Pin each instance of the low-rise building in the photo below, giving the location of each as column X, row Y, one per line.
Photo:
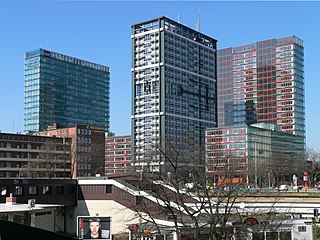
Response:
column 30, row 156
column 138, row 208
column 118, row 154
column 42, row 203
column 87, row 148
column 259, row 154
column 135, row 211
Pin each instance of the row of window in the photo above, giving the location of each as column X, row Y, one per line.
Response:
column 33, row 190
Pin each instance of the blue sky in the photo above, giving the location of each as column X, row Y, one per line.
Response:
column 100, row 32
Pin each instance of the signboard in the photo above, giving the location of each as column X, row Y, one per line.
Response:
column 248, row 221
column 93, row 227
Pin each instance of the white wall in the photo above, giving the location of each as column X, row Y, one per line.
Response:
column 120, row 215
column 296, row 235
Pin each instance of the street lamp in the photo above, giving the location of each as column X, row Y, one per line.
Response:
column 96, row 171
column 269, row 179
column 256, row 162
column 255, row 165
column 315, row 176
column 26, row 165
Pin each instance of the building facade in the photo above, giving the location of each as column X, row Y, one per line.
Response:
column 87, row 148
column 118, row 154
column 125, row 202
column 64, row 90
column 263, row 82
column 34, row 156
column 259, row 154
column 174, row 89
column 54, row 200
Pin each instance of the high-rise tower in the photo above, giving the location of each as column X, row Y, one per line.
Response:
column 263, row 82
column 174, row 89
column 64, row 90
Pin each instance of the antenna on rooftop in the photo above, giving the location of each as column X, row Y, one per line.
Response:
column 198, row 23
column 13, row 127
column 178, row 18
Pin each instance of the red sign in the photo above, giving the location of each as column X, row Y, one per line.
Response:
column 251, row 221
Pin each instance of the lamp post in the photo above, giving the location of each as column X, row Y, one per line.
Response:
column 26, row 165
column 96, row 171
column 315, row 176
column 269, row 179
column 255, row 165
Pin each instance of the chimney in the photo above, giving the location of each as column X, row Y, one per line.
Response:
column 11, row 200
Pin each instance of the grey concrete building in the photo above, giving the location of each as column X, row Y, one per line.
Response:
column 174, row 90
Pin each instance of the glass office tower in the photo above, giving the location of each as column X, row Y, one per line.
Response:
column 256, row 153
column 263, row 82
column 174, row 89
column 64, row 90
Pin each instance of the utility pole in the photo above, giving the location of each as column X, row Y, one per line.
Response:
column 255, row 166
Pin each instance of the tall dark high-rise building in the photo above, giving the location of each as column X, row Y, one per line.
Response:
column 174, row 89
column 263, row 82
column 64, row 90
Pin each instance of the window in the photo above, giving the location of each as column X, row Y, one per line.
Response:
column 138, row 200
column 18, row 190
column 46, row 190
column 60, row 189
column 33, row 190
column 302, row 228
column 258, row 235
column 271, row 235
column 108, row 188
column 3, row 191
column 285, row 235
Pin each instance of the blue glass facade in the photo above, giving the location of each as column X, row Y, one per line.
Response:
column 64, row 90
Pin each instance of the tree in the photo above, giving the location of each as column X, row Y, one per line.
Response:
column 48, row 159
column 97, row 159
column 183, row 195
column 89, row 159
column 54, row 160
column 313, row 157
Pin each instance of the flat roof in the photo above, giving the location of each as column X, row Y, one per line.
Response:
column 22, row 207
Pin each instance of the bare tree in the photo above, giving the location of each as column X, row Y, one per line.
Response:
column 54, row 160
column 312, row 165
column 181, row 194
column 55, row 156
column 97, row 159
column 89, row 159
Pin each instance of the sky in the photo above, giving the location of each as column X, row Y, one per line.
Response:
column 100, row 31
